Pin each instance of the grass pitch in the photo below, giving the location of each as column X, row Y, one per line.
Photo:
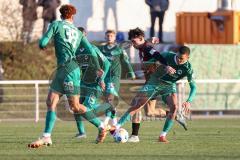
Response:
column 213, row 139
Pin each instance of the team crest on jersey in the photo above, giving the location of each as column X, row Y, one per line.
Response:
column 179, row 71
column 145, row 88
column 81, row 49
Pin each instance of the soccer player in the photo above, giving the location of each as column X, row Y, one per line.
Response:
column 118, row 59
column 67, row 79
column 162, row 82
column 92, row 86
column 148, row 65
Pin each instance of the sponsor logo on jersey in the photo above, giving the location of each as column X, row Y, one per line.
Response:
column 86, row 57
column 179, row 71
column 92, row 99
column 111, row 58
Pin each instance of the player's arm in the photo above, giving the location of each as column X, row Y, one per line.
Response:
column 156, row 55
column 106, row 63
column 48, row 35
column 105, row 67
column 192, row 94
column 89, row 49
column 126, row 63
column 193, row 90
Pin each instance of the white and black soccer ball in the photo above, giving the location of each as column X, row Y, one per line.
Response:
column 120, row 135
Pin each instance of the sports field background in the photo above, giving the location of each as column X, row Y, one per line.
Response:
column 206, row 139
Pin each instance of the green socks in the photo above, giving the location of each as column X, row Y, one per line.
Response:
column 91, row 117
column 80, row 124
column 50, row 121
column 124, row 118
column 168, row 125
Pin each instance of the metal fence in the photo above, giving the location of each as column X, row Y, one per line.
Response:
column 26, row 99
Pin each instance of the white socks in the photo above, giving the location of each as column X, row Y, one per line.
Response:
column 46, row 134
column 163, row 134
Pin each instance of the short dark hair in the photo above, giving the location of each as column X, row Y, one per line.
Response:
column 81, row 29
column 133, row 33
column 110, row 31
column 67, row 11
column 184, row 50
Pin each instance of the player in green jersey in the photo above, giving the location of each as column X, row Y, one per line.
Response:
column 67, row 78
column 162, row 82
column 92, row 86
column 118, row 59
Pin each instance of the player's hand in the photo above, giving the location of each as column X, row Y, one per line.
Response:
column 170, row 70
column 155, row 40
column 102, row 85
column 186, row 107
column 100, row 72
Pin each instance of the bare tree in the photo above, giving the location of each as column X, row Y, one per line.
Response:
column 11, row 19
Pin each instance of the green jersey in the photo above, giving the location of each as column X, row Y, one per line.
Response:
column 118, row 58
column 88, row 65
column 66, row 39
column 182, row 70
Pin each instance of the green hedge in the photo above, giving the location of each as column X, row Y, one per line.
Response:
column 26, row 62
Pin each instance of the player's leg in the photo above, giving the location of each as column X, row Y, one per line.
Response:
column 136, row 121
column 80, row 126
column 153, row 19
column 72, row 89
column 89, row 115
column 172, row 104
column 143, row 96
column 79, row 119
column 180, row 118
column 112, row 89
column 52, row 100
column 150, row 108
column 161, row 18
column 110, row 114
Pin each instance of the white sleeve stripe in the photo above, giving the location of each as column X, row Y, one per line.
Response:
column 152, row 51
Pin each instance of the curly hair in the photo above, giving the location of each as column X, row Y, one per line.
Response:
column 133, row 33
column 67, row 11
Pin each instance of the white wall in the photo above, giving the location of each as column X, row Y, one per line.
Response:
column 131, row 14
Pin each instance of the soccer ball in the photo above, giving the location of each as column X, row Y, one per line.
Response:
column 120, row 135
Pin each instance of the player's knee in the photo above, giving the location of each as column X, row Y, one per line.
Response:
column 49, row 104
column 137, row 117
column 173, row 111
column 73, row 106
column 174, row 107
column 137, row 102
column 110, row 100
column 131, row 111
